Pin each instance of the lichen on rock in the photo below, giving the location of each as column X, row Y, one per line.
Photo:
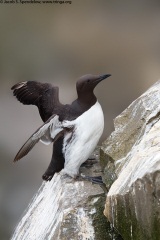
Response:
column 133, row 152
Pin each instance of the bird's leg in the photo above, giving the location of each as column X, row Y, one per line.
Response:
column 90, row 161
column 57, row 161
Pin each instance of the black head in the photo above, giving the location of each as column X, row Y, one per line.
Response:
column 88, row 82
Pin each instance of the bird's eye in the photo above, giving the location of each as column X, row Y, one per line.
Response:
column 88, row 81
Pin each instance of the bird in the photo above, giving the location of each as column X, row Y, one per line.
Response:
column 74, row 129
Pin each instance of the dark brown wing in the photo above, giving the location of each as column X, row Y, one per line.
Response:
column 44, row 131
column 43, row 95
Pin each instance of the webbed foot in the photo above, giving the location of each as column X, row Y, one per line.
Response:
column 95, row 180
column 47, row 176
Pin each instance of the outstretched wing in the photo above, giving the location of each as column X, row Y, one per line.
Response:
column 43, row 95
column 46, row 133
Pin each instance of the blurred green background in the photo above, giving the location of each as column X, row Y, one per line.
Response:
column 58, row 43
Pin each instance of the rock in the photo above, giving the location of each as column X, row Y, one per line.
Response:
column 131, row 161
column 67, row 209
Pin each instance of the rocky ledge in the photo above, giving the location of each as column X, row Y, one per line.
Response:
column 67, row 209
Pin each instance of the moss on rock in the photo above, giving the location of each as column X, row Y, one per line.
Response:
column 103, row 229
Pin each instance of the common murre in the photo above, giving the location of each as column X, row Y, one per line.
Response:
column 74, row 129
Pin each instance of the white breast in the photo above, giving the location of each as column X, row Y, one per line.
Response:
column 78, row 146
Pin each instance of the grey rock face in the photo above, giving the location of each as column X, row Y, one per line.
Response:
column 67, row 209
column 131, row 159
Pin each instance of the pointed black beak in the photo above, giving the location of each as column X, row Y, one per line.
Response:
column 102, row 77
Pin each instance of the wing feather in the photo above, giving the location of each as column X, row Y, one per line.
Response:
column 44, row 95
column 52, row 124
